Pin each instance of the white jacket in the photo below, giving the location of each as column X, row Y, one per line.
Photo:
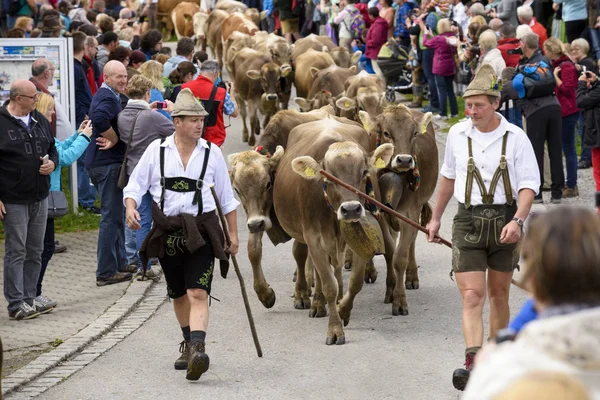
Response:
column 567, row 344
column 493, row 58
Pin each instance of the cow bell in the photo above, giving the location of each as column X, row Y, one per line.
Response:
column 391, row 187
column 364, row 236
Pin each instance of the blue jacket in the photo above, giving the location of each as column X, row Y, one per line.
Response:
column 268, row 6
column 69, row 151
column 156, row 95
column 83, row 94
column 104, row 113
column 573, row 10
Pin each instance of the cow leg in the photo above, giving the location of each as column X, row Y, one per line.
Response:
column 357, row 278
column 317, row 308
column 254, row 121
column 401, row 259
column 348, row 259
column 301, row 298
column 243, row 112
column 265, row 293
column 337, row 271
column 219, row 48
column 309, row 274
column 370, row 272
column 412, row 274
column 389, row 238
column 335, row 331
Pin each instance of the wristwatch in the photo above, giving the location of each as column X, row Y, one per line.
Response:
column 519, row 221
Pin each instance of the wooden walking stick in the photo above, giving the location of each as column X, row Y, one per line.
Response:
column 238, row 273
column 393, row 212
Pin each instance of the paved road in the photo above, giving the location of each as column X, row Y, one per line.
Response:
column 409, row 357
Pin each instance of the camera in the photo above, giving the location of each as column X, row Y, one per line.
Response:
column 515, row 51
column 224, row 85
column 130, row 23
column 588, row 74
column 161, row 105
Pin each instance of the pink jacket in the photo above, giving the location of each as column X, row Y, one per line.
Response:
column 566, row 92
column 376, row 37
column 443, row 60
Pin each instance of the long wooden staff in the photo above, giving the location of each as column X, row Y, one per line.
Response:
column 238, row 273
column 393, row 212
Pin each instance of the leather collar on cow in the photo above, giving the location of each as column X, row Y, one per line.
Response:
column 372, row 208
column 413, row 176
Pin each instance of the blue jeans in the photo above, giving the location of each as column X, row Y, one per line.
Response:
column 586, row 152
column 568, row 146
column 427, row 65
column 86, row 192
column 137, row 237
column 514, row 116
column 130, row 247
column 111, row 238
column 445, row 86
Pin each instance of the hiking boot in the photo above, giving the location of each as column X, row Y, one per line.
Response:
column 43, row 304
column 584, row 164
column 570, row 192
column 23, row 311
column 417, row 102
column 198, row 363
column 460, row 377
column 116, row 278
column 59, row 248
column 182, row 362
column 131, row 268
column 150, row 274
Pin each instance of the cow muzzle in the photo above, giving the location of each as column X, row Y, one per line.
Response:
column 403, row 163
column 259, row 224
column 350, row 211
column 271, row 97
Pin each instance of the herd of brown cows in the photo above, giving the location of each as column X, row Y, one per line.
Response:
column 345, row 128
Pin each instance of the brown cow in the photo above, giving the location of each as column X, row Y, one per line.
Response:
column 415, row 155
column 257, row 82
column 279, row 50
column 199, row 21
column 363, row 92
column 312, row 41
column 327, row 84
column 213, row 34
column 183, row 19
column 343, row 58
column 306, row 215
column 231, row 6
column 307, row 65
column 237, row 22
column 236, row 42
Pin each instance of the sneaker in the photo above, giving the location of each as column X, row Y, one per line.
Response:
column 93, row 209
column 440, row 117
column 429, row 108
column 182, row 362
column 584, row 164
column 570, row 192
column 460, row 377
column 116, row 278
column 454, row 116
column 23, row 311
column 198, row 363
column 59, row 248
column 43, row 304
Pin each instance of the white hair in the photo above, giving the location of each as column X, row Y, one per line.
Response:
column 523, row 30
column 525, row 12
column 487, row 40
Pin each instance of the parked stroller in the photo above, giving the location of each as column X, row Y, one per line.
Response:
column 393, row 59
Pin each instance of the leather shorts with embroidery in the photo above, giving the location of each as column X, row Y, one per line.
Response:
column 476, row 239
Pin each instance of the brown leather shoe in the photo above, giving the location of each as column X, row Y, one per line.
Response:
column 198, row 363
column 570, row 192
column 116, row 278
column 182, row 362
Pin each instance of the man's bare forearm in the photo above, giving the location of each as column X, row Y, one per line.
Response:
column 525, row 201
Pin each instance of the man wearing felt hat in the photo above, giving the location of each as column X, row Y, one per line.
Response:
column 186, row 236
column 491, row 170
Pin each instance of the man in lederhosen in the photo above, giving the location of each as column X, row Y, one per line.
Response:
column 491, row 169
column 186, row 235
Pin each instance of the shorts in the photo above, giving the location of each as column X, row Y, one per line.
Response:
column 289, row 26
column 476, row 239
column 184, row 270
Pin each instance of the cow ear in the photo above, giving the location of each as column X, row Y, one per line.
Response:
column 276, row 157
column 253, row 74
column 424, row 122
column 305, row 105
column 325, row 49
column 369, row 123
column 306, row 167
column 382, row 155
column 314, row 71
column 353, row 69
column 286, row 69
column 356, row 56
column 345, row 103
column 232, row 158
column 187, row 17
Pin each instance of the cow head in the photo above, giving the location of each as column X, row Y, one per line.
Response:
column 327, row 86
column 252, row 176
column 397, row 126
column 199, row 21
column 346, row 161
column 269, row 76
column 281, row 53
column 343, row 58
column 369, row 99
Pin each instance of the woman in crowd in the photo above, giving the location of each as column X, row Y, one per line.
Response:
column 26, row 24
column 566, row 83
column 344, row 21
column 561, row 253
column 68, row 152
column 151, row 43
column 388, row 13
column 443, row 64
column 184, row 72
column 489, row 53
column 153, row 70
column 136, row 59
column 579, row 55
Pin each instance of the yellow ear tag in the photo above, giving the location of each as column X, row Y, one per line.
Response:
column 309, row 171
column 379, row 163
column 347, row 104
column 423, row 128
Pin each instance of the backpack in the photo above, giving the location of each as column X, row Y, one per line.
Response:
column 357, row 25
column 13, row 7
column 534, row 80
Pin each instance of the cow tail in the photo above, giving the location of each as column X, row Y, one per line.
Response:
column 426, row 214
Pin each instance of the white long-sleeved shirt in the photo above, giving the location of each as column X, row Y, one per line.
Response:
column 487, row 149
column 146, row 177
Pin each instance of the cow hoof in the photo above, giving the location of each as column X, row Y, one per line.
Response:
column 370, row 276
column 317, row 312
column 295, row 275
column 270, row 300
column 345, row 317
column 402, row 310
column 333, row 340
column 412, row 285
column 251, row 140
column 302, row 304
column 348, row 266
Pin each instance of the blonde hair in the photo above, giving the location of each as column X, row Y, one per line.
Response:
column 126, row 34
column 478, row 19
column 161, row 58
column 487, row 40
column 554, row 46
column 153, row 70
column 138, row 86
column 23, row 22
column 45, row 103
column 444, row 25
column 582, row 44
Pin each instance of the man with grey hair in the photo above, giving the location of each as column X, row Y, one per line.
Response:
column 216, row 97
column 543, row 118
column 525, row 17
